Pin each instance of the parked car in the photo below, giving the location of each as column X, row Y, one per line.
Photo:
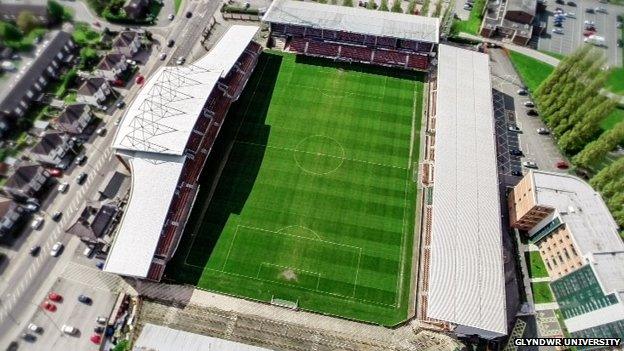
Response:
column 532, row 112
column 529, row 103
column 80, row 160
column 69, row 330
column 99, row 329
column 131, row 62
column 34, row 251
column 81, row 178
column 570, row 15
column 56, row 297
column 120, row 104
column 171, row 17
column 96, row 339
column 55, row 172
column 85, row 299
column 562, row 165
column 87, row 251
column 601, row 10
column 514, row 128
column 119, row 83
column 163, row 56
column 571, row 3
column 188, row 14
column 101, row 320
column 56, row 249
column 543, row 131
column 170, row 43
column 139, row 79
column 101, row 131
column 28, row 337
column 180, row 60
column 515, row 152
column 48, row 306
column 529, row 164
column 62, row 188
column 589, row 33
column 31, row 207
column 516, row 173
column 467, row 7
column 589, row 10
column 36, row 223
column 34, row 328
column 522, row 92
column 56, row 216
column 560, row 2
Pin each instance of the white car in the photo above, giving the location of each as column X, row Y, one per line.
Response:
column 529, row 103
column 62, row 188
column 34, row 328
column 100, row 131
column 36, row 222
column 56, row 249
column 529, row 164
column 557, row 30
column 571, row 15
column 543, row 131
column 68, row 329
column 171, row 17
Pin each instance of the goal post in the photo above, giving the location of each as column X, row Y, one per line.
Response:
column 293, row 305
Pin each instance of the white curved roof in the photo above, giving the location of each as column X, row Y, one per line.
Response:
column 163, row 114
column 355, row 20
column 466, row 279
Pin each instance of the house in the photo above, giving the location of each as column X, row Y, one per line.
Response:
column 516, row 23
column 10, row 215
column 10, row 10
column 136, row 9
column 127, row 42
column 93, row 223
column 74, row 118
column 111, row 66
column 52, row 148
column 93, row 91
column 27, row 181
column 22, row 89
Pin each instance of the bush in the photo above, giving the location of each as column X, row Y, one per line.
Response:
column 67, row 80
column 88, row 58
column 9, row 32
column 239, row 9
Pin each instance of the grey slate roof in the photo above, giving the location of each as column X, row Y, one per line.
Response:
column 109, row 61
column 91, row 85
column 124, row 38
column 528, row 6
column 49, row 142
column 23, row 175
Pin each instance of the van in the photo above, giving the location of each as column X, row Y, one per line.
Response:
column 87, row 251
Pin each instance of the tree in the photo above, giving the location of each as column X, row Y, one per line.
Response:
column 438, row 9
column 26, row 21
column 411, row 7
column 396, row 6
column 56, row 11
column 608, row 174
column 88, row 58
column 9, row 32
column 371, row 5
column 384, row 6
column 598, row 149
column 348, row 3
column 575, row 140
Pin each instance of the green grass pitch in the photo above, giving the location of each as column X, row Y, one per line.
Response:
column 316, row 202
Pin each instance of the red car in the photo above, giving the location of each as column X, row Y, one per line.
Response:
column 96, row 339
column 55, row 297
column 139, row 79
column 55, row 172
column 562, row 165
column 589, row 32
column 119, row 83
column 48, row 306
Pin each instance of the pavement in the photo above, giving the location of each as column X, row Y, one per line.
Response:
column 574, row 27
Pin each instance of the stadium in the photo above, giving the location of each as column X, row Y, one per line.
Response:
column 310, row 176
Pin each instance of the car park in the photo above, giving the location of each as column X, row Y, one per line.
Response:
column 543, row 131
column 62, row 187
column 85, row 299
column 48, row 306
column 56, row 249
column 69, row 330
column 529, row 164
column 56, row 216
column 80, row 179
column 34, row 251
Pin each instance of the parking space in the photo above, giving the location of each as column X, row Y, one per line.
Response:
column 573, row 27
column 73, row 313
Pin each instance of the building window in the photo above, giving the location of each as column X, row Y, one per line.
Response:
column 565, row 252
column 548, row 265
column 573, row 251
column 554, row 261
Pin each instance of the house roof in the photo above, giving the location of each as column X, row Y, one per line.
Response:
column 18, row 84
column 72, row 113
column 110, row 61
column 23, row 174
column 93, row 223
column 125, row 38
column 49, row 142
column 466, row 272
column 528, row 6
column 91, row 85
column 354, row 20
column 113, row 185
column 6, row 205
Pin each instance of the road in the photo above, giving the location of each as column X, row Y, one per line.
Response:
column 27, row 280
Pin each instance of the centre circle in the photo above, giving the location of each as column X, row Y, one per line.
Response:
column 319, row 154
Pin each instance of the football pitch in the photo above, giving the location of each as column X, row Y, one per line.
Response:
column 316, row 202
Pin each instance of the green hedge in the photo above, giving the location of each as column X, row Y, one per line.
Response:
column 239, row 9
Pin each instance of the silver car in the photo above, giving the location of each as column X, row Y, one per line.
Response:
column 56, row 249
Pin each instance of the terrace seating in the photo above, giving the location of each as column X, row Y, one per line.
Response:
column 278, row 27
column 298, row 45
column 323, row 49
column 295, row 30
column 424, row 47
column 389, row 57
column 370, row 40
column 329, row 34
column 351, row 37
column 156, row 271
column 356, row 53
column 314, row 32
column 388, row 42
column 418, row 61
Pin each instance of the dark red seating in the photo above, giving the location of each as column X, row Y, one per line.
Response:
column 351, row 37
column 358, row 53
column 298, row 45
column 314, row 32
column 418, row 61
column 323, row 49
column 390, row 57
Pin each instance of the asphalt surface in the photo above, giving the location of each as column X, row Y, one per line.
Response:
column 26, row 280
column 573, row 29
column 509, row 110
